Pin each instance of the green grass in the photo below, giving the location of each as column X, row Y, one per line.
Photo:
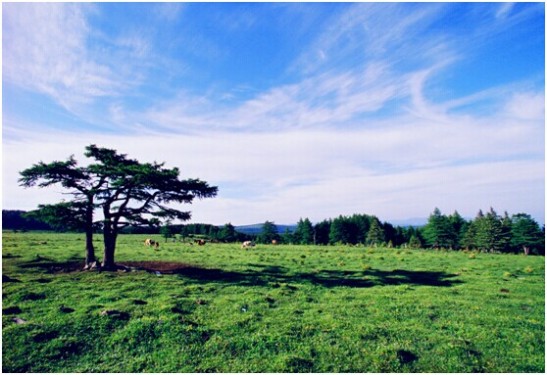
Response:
column 269, row 309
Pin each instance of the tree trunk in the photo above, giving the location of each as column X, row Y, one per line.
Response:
column 90, row 260
column 109, row 249
column 526, row 250
column 109, row 237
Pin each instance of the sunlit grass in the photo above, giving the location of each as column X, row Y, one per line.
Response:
column 269, row 309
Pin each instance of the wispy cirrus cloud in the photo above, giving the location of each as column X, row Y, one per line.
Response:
column 44, row 49
column 504, row 9
column 52, row 49
column 319, row 173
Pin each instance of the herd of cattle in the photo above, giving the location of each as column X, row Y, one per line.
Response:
column 151, row 243
column 200, row 242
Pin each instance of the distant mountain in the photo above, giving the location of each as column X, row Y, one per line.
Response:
column 255, row 229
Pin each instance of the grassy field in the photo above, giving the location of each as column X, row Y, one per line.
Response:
column 220, row 308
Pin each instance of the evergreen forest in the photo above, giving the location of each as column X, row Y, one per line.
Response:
column 487, row 232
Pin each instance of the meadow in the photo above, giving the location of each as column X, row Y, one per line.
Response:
column 220, row 308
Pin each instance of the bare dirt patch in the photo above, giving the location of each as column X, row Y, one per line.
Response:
column 71, row 266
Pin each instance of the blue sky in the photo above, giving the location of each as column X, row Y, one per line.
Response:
column 291, row 109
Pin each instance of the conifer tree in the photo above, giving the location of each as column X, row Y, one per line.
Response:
column 488, row 236
column 438, row 231
column 526, row 234
column 304, row 234
column 338, row 232
column 228, row 233
column 269, row 233
column 375, row 235
column 128, row 193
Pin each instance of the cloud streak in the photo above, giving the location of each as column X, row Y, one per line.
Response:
column 45, row 51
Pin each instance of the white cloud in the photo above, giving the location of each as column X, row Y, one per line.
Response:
column 327, row 99
column 44, row 49
column 527, row 106
column 394, row 172
column 389, row 32
column 504, row 10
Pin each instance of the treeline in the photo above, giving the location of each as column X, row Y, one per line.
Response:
column 27, row 221
column 488, row 232
column 16, row 220
column 226, row 233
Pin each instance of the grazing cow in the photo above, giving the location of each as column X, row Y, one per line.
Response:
column 274, row 242
column 247, row 244
column 200, row 242
column 149, row 242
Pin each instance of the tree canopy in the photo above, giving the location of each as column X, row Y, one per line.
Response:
column 127, row 192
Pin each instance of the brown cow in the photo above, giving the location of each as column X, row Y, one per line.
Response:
column 150, row 242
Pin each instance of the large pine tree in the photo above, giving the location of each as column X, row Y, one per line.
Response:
column 127, row 192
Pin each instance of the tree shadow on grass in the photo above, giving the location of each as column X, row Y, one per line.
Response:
column 271, row 275
column 325, row 278
column 49, row 265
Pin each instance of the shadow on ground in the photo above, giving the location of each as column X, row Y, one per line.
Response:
column 268, row 275
column 260, row 275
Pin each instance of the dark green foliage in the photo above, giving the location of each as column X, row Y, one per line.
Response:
column 439, row 231
column 375, row 235
column 228, row 233
column 526, row 235
column 64, row 216
column 165, row 231
column 18, row 220
column 488, row 236
column 304, row 233
column 414, row 242
column 322, row 230
column 269, row 233
column 506, row 234
column 339, row 231
column 487, row 233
